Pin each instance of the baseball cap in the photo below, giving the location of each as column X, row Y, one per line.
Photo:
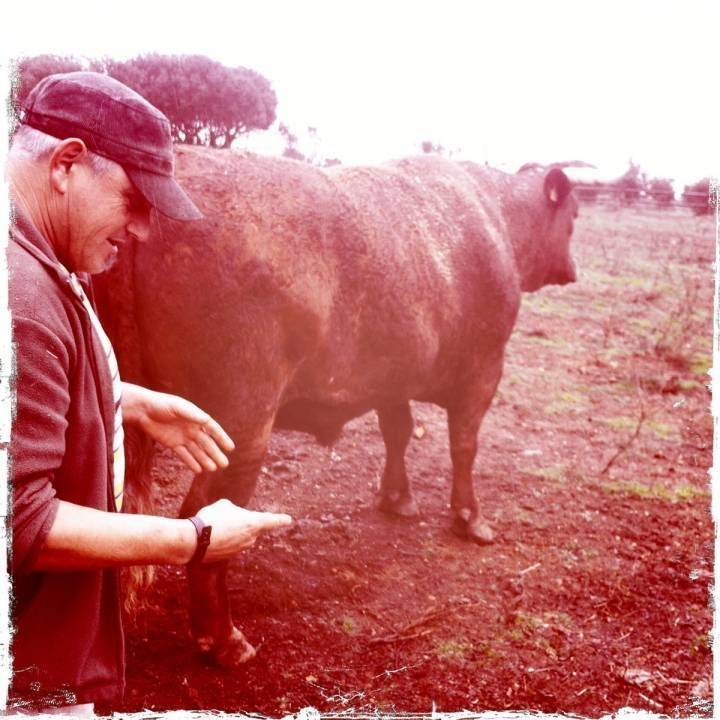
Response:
column 117, row 123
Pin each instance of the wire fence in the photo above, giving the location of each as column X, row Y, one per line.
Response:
column 616, row 197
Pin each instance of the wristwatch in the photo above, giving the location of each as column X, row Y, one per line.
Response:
column 203, row 539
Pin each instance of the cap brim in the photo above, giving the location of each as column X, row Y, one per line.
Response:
column 164, row 194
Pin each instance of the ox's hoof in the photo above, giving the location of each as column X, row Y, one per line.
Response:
column 395, row 503
column 473, row 529
column 235, row 651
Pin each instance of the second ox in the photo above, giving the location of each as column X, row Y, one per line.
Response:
column 307, row 297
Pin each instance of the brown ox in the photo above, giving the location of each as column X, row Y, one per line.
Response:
column 307, row 297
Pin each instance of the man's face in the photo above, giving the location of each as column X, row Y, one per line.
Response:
column 104, row 211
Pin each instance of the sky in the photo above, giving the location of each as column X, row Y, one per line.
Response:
column 499, row 82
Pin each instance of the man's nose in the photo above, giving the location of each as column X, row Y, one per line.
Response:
column 139, row 225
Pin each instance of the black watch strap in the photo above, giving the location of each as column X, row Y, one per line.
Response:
column 203, row 539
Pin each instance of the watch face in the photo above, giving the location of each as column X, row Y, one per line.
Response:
column 203, row 539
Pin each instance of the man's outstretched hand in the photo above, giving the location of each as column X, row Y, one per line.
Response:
column 176, row 423
column 234, row 528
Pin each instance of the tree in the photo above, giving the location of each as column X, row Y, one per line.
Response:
column 661, row 191
column 206, row 102
column 291, row 151
column 429, row 147
column 312, row 138
column 697, row 197
column 631, row 185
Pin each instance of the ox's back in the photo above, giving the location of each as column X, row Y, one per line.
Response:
column 433, row 276
column 367, row 280
column 342, row 287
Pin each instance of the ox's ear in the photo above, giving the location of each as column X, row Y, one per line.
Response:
column 557, row 186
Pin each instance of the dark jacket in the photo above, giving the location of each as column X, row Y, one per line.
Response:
column 68, row 642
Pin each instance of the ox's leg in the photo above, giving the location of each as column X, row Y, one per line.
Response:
column 210, row 616
column 464, row 418
column 396, row 425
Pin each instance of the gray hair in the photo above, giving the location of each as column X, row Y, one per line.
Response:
column 37, row 145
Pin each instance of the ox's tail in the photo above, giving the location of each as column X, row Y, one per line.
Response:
column 114, row 296
column 137, row 579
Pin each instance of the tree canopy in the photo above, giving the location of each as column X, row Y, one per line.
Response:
column 631, row 185
column 661, row 191
column 292, row 151
column 429, row 147
column 207, row 103
column 698, row 197
column 432, row 148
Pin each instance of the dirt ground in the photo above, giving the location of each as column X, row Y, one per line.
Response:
column 593, row 470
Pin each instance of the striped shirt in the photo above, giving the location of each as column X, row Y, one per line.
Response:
column 118, row 435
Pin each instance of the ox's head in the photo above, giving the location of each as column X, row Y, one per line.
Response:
column 553, row 212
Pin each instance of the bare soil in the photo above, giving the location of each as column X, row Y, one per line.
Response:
column 593, row 470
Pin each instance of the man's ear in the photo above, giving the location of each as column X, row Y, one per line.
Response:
column 63, row 157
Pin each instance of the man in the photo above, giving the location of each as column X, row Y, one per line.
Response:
column 88, row 163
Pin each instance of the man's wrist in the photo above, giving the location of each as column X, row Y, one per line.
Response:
column 186, row 542
column 138, row 403
column 203, row 533
column 133, row 403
